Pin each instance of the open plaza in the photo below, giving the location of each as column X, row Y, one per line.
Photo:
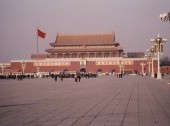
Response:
column 99, row 101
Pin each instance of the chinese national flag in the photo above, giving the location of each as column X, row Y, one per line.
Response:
column 41, row 34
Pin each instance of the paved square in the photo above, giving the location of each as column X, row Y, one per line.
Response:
column 102, row 101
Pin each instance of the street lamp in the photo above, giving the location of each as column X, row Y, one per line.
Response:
column 3, row 66
column 165, row 16
column 2, row 69
column 158, row 48
column 142, row 64
column 23, row 67
column 120, row 66
column 151, row 55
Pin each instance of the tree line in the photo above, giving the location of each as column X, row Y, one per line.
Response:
column 165, row 61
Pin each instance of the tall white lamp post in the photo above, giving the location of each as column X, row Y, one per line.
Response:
column 23, row 67
column 158, row 48
column 120, row 66
column 142, row 64
column 150, row 56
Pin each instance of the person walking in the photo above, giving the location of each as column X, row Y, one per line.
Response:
column 55, row 78
column 75, row 77
column 79, row 77
column 62, row 77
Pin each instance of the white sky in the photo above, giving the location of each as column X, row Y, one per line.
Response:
column 135, row 22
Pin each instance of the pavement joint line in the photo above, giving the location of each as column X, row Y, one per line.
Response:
column 104, row 107
column 127, row 106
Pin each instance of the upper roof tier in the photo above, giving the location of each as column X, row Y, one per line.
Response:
column 85, row 39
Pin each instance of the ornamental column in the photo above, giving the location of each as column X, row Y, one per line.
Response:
column 142, row 64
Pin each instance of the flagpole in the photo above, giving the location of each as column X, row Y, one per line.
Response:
column 37, row 52
column 42, row 35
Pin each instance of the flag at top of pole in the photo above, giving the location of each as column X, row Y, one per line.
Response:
column 41, row 34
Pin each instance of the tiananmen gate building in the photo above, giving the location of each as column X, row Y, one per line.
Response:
column 91, row 53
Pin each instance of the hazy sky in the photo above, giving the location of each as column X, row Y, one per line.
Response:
column 135, row 22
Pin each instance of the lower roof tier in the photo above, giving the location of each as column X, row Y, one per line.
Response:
column 60, row 50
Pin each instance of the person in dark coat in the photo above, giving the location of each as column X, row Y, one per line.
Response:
column 79, row 77
column 55, row 78
column 61, row 77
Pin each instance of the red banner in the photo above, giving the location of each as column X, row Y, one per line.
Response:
column 126, row 62
column 41, row 34
column 59, row 63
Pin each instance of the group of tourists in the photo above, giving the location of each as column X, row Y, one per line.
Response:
column 17, row 77
column 60, row 76
column 119, row 75
column 77, row 76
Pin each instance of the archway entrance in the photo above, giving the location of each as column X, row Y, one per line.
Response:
column 83, row 70
column 99, row 70
column 64, row 71
column 113, row 71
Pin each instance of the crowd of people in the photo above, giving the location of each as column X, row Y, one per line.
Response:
column 17, row 76
column 61, row 76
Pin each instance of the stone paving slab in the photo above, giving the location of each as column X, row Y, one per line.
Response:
column 102, row 101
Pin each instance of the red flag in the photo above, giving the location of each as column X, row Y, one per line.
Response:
column 41, row 34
